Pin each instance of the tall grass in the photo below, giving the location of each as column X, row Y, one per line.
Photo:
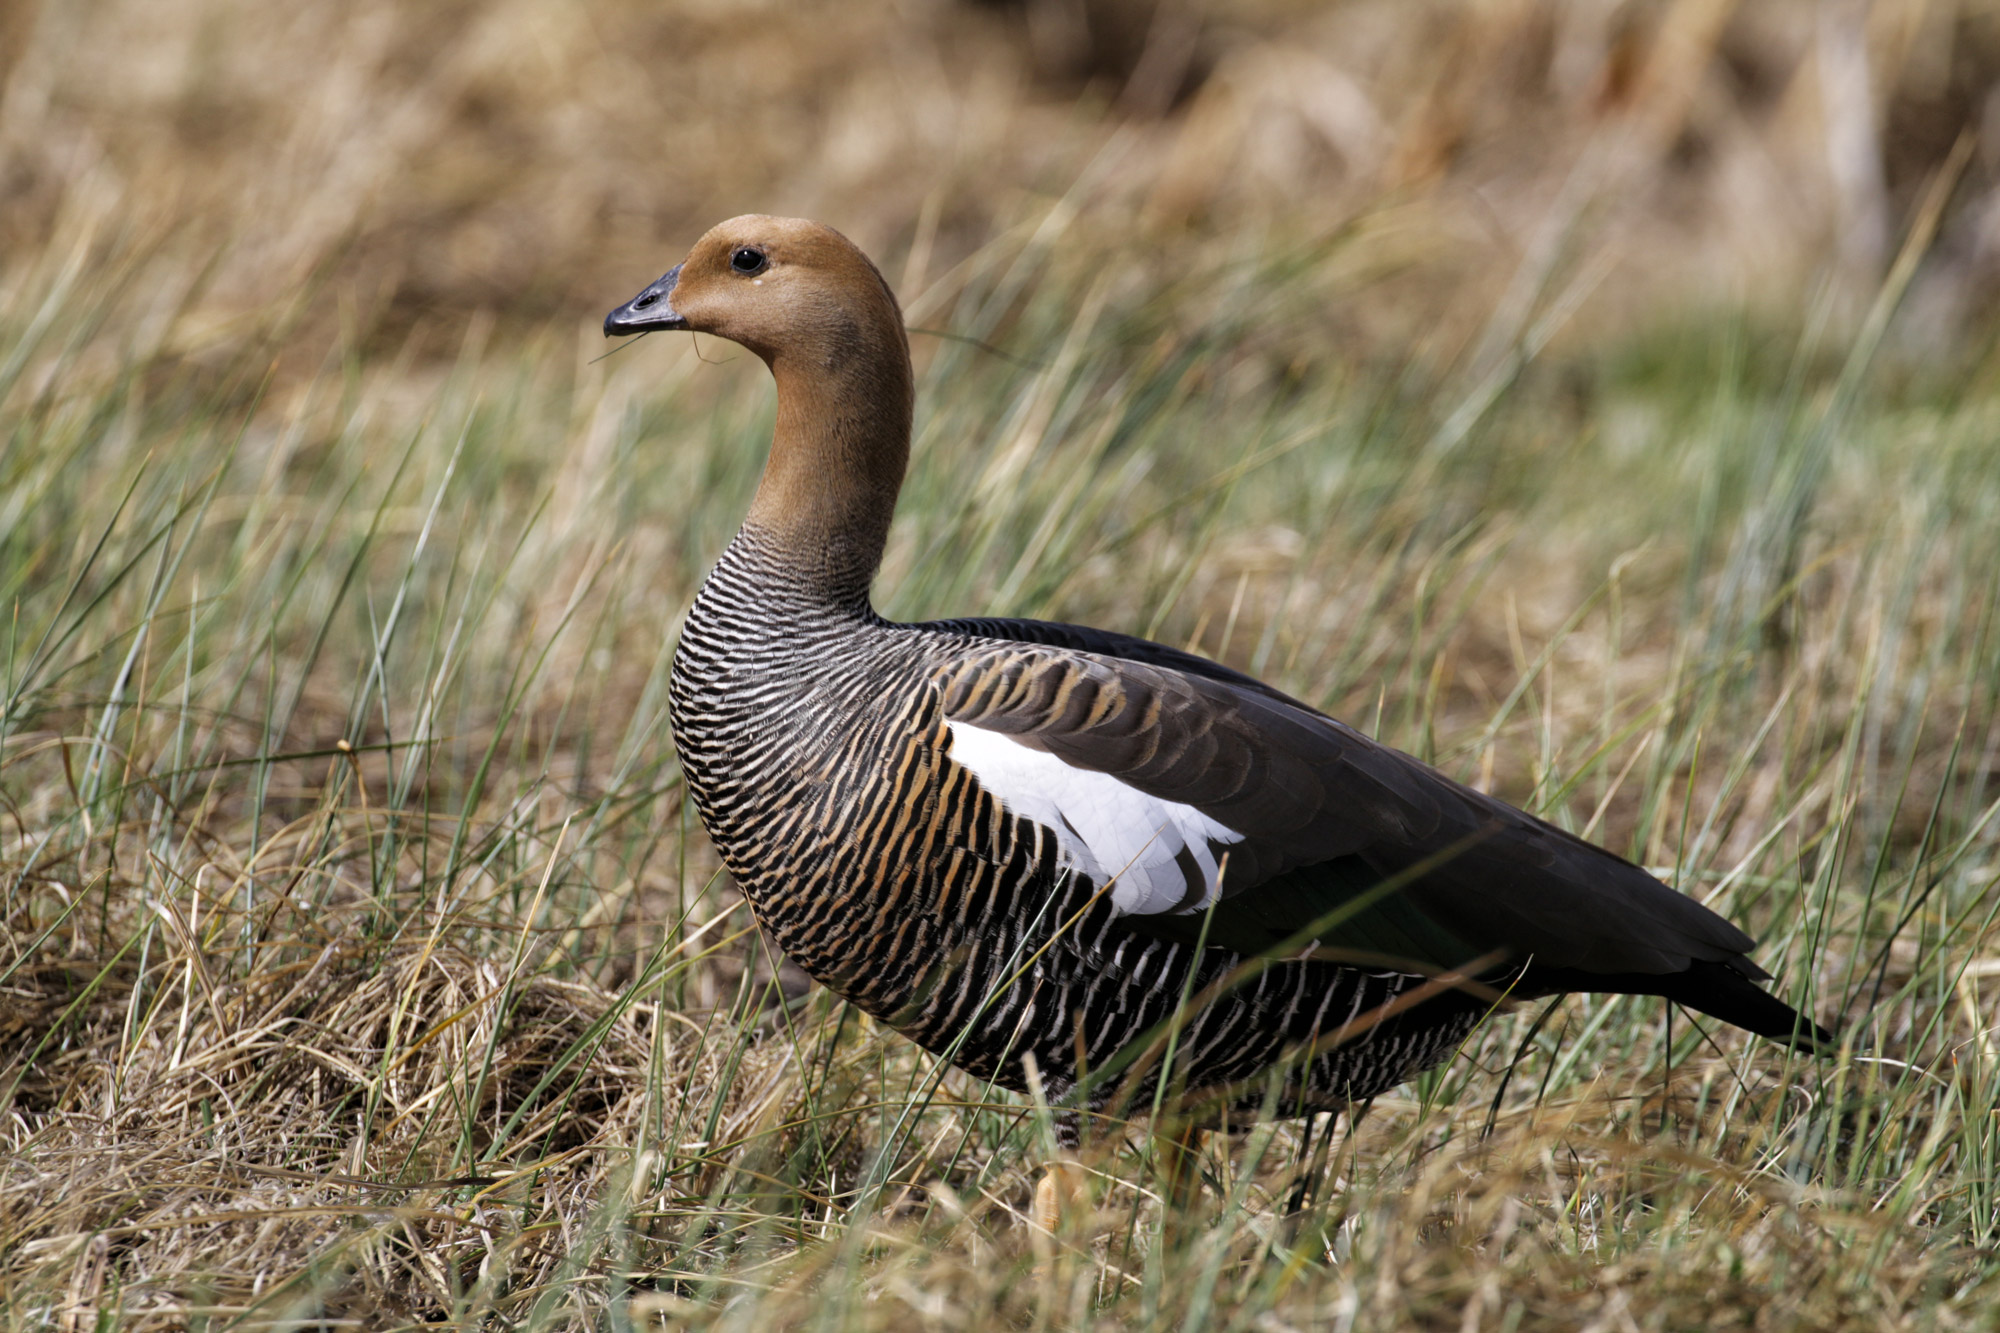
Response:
column 363, row 965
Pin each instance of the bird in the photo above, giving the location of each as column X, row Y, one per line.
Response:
column 1076, row 863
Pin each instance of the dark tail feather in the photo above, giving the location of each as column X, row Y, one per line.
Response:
column 1715, row 989
column 1722, row 992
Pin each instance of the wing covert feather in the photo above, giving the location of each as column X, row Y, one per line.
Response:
column 1326, row 813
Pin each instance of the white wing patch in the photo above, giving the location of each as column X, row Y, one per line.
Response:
column 1163, row 854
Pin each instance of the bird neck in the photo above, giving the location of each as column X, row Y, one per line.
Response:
column 838, row 455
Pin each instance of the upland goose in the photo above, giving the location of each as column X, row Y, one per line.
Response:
column 1064, row 856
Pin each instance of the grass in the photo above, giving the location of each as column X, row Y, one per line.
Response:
column 363, row 966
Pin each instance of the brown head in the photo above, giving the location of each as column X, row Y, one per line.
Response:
column 786, row 288
column 805, row 299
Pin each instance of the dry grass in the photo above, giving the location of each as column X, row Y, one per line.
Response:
column 368, row 171
column 360, row 964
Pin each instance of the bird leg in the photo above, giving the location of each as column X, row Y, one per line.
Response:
column 1178, row 1157
column 1321, row 1165
column 1060, row 1188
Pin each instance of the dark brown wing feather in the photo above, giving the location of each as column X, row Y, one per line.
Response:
column 1327, row 814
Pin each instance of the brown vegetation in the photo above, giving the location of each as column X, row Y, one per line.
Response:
column 392, row 166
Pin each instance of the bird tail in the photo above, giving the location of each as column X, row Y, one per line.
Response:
column 1716, row 989
column 1720, row 991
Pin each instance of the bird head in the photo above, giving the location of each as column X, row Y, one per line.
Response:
column 782, row 287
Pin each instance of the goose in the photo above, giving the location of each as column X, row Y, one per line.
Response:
column 1077, row 863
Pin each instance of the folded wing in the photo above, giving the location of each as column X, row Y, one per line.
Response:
column 1200, row 784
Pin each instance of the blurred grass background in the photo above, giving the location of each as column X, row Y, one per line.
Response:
column 1595, row 397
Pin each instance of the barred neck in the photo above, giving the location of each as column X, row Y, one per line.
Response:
column 789, row 586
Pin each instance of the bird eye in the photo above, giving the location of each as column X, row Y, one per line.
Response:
column 748, row 260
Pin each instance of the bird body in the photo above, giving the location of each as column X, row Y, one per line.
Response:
column 1057, row 854
column 979, row 899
